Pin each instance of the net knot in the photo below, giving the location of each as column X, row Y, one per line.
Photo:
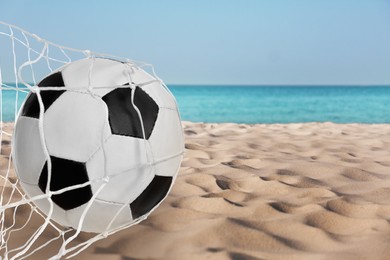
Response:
column 35, row 89
column 87, row 53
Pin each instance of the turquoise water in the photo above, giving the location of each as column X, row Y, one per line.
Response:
column 283, row 104
column 243, row 104
column 8, row 101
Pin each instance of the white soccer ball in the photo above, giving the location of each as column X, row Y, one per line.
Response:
column 94, row 137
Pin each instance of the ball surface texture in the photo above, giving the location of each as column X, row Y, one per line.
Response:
column 107, row 141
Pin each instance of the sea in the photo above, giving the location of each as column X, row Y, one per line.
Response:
column 266, row 104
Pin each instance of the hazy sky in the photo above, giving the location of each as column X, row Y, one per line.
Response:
column 225, row 42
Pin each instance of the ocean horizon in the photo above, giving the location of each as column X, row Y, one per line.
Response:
column 253, row 104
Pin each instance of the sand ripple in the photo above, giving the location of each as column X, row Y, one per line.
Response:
column 295, row 191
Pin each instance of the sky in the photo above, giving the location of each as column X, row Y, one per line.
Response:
column 251, row 42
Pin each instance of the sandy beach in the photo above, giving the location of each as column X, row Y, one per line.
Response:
column 279, row 191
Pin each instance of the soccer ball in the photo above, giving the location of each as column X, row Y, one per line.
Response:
column 108, row 141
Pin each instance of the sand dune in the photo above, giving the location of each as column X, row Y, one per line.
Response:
column 281, row 191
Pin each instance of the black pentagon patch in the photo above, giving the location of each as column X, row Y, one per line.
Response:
column 53, row 80
column 151, row 196
column 66, row 173
column 31, row 106
column 123, row 117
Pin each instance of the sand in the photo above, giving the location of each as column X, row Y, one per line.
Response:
column 280, row 191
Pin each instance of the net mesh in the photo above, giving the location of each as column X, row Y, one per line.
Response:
column 25, row 232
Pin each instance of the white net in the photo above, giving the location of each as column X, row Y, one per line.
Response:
column 25, row 231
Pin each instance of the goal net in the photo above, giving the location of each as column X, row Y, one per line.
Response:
column 25, row 232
